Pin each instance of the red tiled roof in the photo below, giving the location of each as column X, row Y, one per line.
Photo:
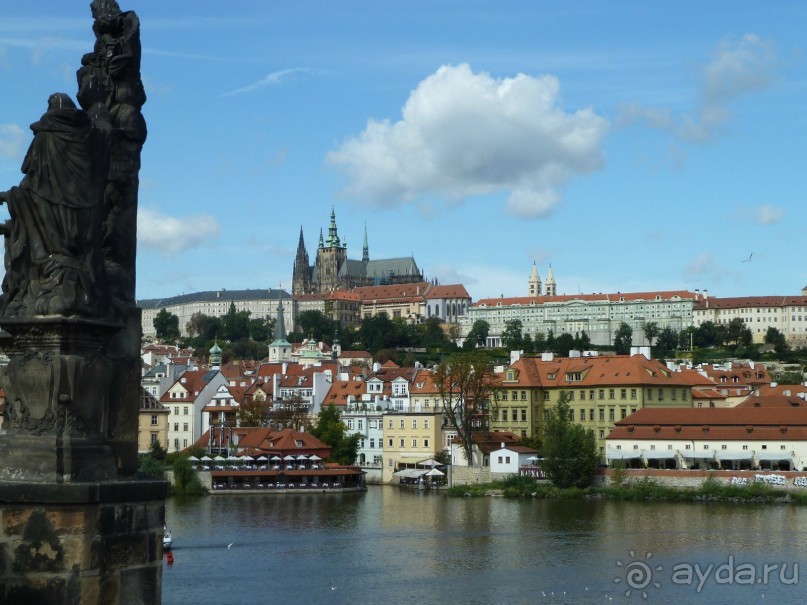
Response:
column 741, row 302
column 449, row 291
column 342, row 389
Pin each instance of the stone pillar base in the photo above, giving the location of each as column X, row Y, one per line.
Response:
column 82, row 543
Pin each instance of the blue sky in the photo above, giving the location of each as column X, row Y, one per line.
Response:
column 633, row 145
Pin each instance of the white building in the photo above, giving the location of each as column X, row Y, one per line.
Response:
column 185, row 400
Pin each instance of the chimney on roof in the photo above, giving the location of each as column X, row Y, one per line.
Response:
column 502, row 444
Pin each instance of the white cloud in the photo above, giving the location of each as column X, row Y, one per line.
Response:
column 702, row 265
column 171, row 236
column 464, row 134
column 737, row 68
column 768, row 214
column 12, row 139
column 273, row 79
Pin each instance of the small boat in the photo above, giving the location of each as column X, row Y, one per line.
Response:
column 168, row 540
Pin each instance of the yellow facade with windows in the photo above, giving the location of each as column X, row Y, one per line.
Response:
column 409, row 438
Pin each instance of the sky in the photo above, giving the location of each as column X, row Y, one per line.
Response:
column 632, row 146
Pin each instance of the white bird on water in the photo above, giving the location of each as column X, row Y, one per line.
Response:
column 230, row 545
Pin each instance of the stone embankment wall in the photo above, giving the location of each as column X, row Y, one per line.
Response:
column 465, row 475
column 694, row 479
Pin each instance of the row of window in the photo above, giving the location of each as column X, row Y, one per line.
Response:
column 706, row 446
column 623, row 394
column 402, row 443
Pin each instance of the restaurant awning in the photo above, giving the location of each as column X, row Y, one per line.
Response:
column 773, row 456
column 614, row 454
column 411, row 473
column 729, row 455
column 658, row 454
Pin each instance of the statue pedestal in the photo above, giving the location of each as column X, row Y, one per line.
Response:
column 88, row 543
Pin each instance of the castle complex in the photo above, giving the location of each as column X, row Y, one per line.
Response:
column 333, row 270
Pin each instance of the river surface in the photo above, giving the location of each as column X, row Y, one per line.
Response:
column 390, row 546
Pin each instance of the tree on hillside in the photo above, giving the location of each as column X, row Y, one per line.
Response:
column 512, row 339
column 737, row 333
column 464, row 381
column 777, row 339
column 291, row 414
column 166, row 324
column 261, row 329
column 252, row 413
column 235, row 324
column 667, row 342
column 314, row 324
column 582, row 342
column 331, row 430
column 569, row 450
column 563, row 344
column 203, row 327
column 477, row 336
column 623, row 339
column 651, row 330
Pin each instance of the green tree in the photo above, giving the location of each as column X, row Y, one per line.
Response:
column 512, row 339
column 186, row 481
column 331, row 430
column 235, row 324
column 570, row 451
column 465, row 381
column 582, row 342
column 667, row 341
column 203, row 327
column 651, row 331
column 314, row 324
column 563, row 344
column 623, row 339
column 261, row 329
column 477, row 336
column 252, row 413
column 166, row 324
column 737, row 333
column 292, row 413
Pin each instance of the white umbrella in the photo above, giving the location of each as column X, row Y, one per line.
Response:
column 533, row 459
column 261, row 457
column 429, row 462
column 435, row 473
column 219, row 458
column 248, row 457
column 276, row 458
column 301, row 457
column 206, row 458
column 314, row 457
column 193, row 458
column 232, row 458
column 289, row 457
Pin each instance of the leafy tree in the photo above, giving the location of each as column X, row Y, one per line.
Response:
column 564, row 343
column 464, row 381
column 166, row 324
column 186, row 481
column 623, row 338
column 777, row 339
column 550, row 341
column 261, row 329
column 313, row 324
column 667, row 341
column 331, row 430
column 710, row 334
column 203, row 327
column 378, row 332
column 252, row 413
column 737, row 333
column 582, row 342
column 570, row 451
column 244, row 349
column 291, row 414
column 651, row 331
column 431, row 335
column 539, row 343
column 527, row 344
column 157, row 451
column 149, row 465
column 790, row 377
column 512, row 339
column 235, row 324
column 477, row 336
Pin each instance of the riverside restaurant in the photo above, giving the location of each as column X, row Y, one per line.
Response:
column 269, row 461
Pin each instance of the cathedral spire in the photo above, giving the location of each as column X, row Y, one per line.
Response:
column 534, row 283
column 365, row 253
column 321, row 243
column 333, row 236
column 551, row 287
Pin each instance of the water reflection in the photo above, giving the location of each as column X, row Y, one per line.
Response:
column 398, row 546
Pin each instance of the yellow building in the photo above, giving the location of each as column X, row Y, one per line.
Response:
column 601, row 390
column 409, row 437
column 152, row 423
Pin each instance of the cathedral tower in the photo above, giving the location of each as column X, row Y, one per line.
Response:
column 301, row 275
column 534, row 283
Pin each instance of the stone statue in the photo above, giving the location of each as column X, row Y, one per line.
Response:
column 54, row 235
column 70, row 325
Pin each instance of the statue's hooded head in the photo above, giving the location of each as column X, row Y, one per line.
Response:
column 60, row 100
column 104, row 10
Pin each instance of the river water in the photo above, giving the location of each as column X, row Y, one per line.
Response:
column 393, row 546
